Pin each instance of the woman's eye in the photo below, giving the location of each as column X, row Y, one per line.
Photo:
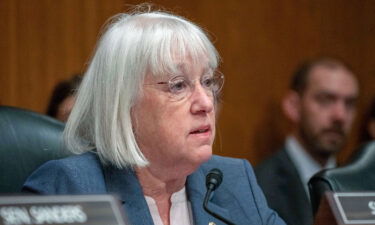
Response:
column 208, row 82
column 177, row 86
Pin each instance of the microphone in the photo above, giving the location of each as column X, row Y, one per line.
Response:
column 213, row 181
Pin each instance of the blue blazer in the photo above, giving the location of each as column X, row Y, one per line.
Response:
column 238, row 198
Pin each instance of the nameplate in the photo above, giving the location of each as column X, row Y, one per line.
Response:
column 356, row 208
column 61, row 210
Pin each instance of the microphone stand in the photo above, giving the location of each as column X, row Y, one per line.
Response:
column 205, row 206
column 212, row 183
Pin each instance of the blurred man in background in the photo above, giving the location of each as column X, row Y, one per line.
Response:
column 367, row 132
column 321, row 104
column 63, row 98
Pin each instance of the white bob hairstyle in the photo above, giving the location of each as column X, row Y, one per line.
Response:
column 131, row 46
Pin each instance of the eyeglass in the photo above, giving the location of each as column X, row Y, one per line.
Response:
column 179, row 87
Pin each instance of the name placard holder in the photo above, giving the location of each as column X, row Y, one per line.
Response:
column 61, row 210
column 343, row 208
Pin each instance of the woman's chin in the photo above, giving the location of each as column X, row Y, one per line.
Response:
column 203, row 154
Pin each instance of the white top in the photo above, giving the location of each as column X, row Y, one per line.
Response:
column 305, row 164
column 180, row 213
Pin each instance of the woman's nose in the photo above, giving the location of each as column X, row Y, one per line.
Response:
column 202, row 100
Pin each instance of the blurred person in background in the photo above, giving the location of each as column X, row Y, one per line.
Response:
column 143, row 127
column 368, row 125
column 366, row 133
column 321, row 104
column 63, row 98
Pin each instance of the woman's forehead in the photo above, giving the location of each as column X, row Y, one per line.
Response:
column 186, row 68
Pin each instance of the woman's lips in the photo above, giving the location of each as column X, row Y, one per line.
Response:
column 203, row 131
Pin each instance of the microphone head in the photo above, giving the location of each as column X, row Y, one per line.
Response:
column 214, row 178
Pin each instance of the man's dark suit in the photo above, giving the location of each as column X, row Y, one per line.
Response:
column 283, row 188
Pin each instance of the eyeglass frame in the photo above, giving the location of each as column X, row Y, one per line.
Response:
column 191, row 84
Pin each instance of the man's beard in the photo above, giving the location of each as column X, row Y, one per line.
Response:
column 326, row 141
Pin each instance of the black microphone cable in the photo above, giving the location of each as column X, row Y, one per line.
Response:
column 213, row 181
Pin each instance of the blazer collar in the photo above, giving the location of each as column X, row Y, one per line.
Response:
column 124, row 184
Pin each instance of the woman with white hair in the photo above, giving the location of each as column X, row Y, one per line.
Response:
column 144, row 124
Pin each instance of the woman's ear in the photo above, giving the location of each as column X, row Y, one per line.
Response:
column 291, row 105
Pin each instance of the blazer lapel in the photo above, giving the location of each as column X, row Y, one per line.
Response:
column 125, row 185
column 196, row 190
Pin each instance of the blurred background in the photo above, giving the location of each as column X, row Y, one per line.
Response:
column 261, row 42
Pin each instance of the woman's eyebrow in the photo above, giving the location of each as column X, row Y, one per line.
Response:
column 181, row 69
column 208, row 70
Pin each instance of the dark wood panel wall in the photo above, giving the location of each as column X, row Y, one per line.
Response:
column 260, row 41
